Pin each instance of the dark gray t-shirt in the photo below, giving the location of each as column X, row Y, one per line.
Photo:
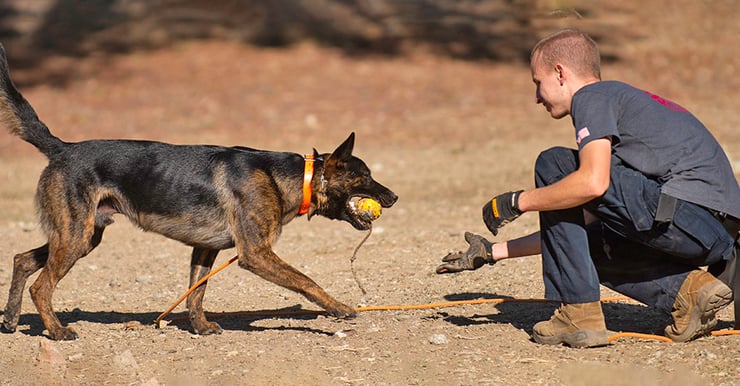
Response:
column 660, row 139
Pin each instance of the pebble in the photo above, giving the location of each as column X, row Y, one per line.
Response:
column 399, row 317
column 75, row 357
column 126, row 360
column 49, row 353
column 438, row 339
column 132, row 325
column 143, row 278
column 344, row 333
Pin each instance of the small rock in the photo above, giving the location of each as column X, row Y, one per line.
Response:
column 344, row 333
column 126, row 360
column 132, row 325
column 75, row 357
column 143, row 278
column 401, row 316
column 438, row 339
column 151, row 382
column 49, row 353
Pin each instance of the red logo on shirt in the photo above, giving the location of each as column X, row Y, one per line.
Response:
column 665, row 102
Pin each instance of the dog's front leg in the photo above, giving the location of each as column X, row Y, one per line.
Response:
column 266, row 264
column 200, row 265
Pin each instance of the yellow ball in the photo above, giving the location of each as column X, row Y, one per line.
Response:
column 368, row 209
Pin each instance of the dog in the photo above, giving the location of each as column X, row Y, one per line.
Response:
column 208, row 197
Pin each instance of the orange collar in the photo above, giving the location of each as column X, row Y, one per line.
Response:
column 307, row 177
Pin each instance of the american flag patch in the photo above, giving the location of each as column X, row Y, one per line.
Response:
column 582, row 134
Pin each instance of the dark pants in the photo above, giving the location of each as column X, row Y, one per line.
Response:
column 626, row 251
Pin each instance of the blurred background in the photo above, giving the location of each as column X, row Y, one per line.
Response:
column 269, row 73
column 474, row 29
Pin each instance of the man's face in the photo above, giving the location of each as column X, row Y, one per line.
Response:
column 550, row 90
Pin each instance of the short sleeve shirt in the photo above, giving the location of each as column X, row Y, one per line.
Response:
column 659, row 138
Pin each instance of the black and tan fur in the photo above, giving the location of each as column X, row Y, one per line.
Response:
column 208, row 197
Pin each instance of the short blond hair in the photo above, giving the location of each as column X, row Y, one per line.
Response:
column 572, row 48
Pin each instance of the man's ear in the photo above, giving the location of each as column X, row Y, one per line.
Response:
column 560, row 71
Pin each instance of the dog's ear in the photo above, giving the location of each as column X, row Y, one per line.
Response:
column 344, row 151
column 340, row 156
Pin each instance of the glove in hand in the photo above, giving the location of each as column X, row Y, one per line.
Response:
column 479, row 253
column 501, row 210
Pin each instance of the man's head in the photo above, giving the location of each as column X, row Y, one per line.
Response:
column 561, row 64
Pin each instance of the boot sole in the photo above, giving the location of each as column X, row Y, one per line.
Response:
column 711, row 300
column 578, row 338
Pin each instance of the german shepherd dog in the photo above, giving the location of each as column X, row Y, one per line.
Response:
column 208, row 197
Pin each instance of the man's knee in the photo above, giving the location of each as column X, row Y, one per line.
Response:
column 553, row 164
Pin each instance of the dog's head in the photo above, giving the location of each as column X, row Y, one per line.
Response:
column 347, row 178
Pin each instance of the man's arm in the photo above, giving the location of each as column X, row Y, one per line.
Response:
column 523, row 246
column 588, row 182
column 481, row 252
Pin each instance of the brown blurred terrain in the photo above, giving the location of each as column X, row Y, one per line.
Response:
column 440, row 96
column 494, row 29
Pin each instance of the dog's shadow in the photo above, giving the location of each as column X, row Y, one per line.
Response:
column 30, row 324
column 521, row 315
column 628, row 317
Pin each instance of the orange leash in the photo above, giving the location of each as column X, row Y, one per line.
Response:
column 179, row 300
column 639, row 336
column 725, row 332
column 404, row 307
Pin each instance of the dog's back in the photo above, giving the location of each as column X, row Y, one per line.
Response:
column 184, row 192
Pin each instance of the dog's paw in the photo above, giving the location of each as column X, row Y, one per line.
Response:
column 6, row 327
column 63, row 333
column 208, row 328
column 343, row 312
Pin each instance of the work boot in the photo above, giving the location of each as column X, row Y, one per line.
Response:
column 700, row 298
column 576, row 325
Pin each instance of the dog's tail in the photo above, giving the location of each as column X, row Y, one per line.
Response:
column 20, row 118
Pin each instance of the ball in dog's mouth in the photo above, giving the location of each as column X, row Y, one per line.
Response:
column 366, row 208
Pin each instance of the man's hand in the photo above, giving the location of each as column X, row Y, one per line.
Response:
column 501, row 210
column 480, row 252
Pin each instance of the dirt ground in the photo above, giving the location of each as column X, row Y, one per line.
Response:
column 444, row 134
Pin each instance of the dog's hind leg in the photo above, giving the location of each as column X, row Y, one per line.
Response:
column 201, row 262
column 24, row 265
column 64, row 251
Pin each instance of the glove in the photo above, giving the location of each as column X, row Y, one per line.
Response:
column 501, row 210
column 480, row 252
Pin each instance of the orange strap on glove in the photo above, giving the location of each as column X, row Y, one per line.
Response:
column 501, row 210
